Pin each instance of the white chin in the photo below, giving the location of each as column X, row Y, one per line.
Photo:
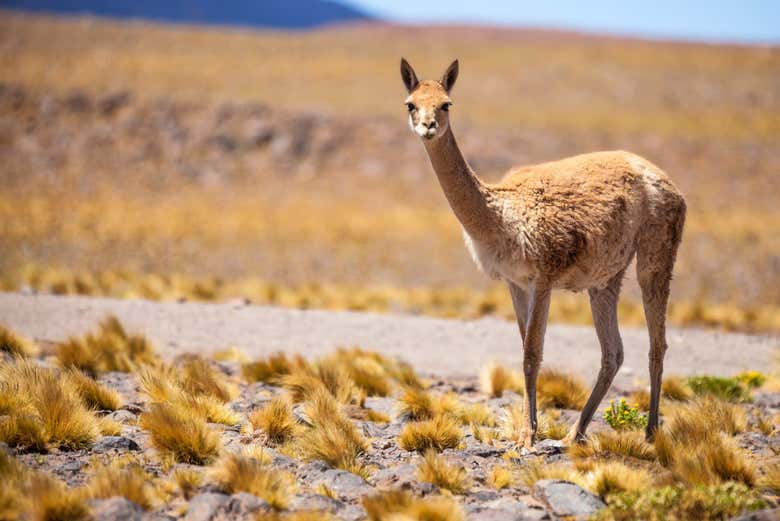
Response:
column 427, row 133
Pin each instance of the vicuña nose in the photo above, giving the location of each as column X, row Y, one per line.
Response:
column 431, row 124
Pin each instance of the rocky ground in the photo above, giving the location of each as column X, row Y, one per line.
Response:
column 390, row 466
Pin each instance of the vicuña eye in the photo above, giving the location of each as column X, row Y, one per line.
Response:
column 446, row 106
column 410, row 107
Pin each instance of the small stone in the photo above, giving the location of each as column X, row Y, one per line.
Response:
column 352, row 513
column 316, row 502
column 70, row 467
column 345, row 484
column 381, row 404
column 566, row 499
column 205, row 507
column 549, row 447
column 243, row 505
column 116, row 509
column 770, row 514
column 483, row 496
column 399, row 476
column 123, row 416
column 107, row 443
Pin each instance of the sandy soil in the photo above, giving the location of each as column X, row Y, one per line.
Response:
column 433, row 346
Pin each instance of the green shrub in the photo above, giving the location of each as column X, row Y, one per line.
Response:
column 751, row 379
column 730, row 389
column 678, row 503
column 623, row 417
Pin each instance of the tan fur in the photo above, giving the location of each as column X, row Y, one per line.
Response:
column 571, row 224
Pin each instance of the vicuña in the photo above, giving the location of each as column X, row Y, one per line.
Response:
column 571, row 224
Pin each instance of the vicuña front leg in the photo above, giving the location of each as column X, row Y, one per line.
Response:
column 603, row 306
column 533, row 345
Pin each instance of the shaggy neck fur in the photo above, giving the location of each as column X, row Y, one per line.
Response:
column 466, row 194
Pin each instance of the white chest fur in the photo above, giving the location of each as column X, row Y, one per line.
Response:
column 499, row 261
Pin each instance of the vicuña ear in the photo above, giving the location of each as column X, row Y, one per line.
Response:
column 450, row 75
column 408, row 75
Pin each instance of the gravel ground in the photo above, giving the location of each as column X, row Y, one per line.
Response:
column 432, row 346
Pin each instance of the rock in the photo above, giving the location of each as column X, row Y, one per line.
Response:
column 566, row 499
column 123, row 416
column 116, row 509
column 119, row 443
column 205, row 507
column 770, row 514
column 483, row 496
column 506, row 509
column 352, row 513
column 482, row 450
column 312, row 470
column 71, row 467
column 345, row 484
column 316, row 502
column 549, row 447
column 400, row 476
column 242, row 506
column 380, row 404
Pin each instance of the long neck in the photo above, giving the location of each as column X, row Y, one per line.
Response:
column 464, row 191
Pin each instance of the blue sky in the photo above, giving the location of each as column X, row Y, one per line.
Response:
column 724, row 20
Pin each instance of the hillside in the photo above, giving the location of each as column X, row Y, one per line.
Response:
column 201, row 163
column 296, row 14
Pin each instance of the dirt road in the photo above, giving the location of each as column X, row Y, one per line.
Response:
column 442, row 347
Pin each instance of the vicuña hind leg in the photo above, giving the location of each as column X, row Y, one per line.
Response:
column 603, row 306
column 655, row 261
column 533, row 345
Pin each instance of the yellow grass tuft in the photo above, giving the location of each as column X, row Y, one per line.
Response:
column 442, row 432
column 561, row 390
column 13, row 476
column 367, row 370
column 185, row 437
column 109, row 427
column 269, row 369
column 416, row 404
column 42, row 409
column 165, row 384
column 500, row 477
column 332, row 437
column 512, row 424
column 306, row 382
column 110, row 348
column 770, row 478
column 231, row 354
column 276, row 420
column 694, row 443
column 614, row 476
column 400, row 505
column 536, row 470
column 675, row 388
column 495, row 379
column 641, row 398
column 128, row 481
column 200, row 377
column 717, row 460
column 93, row 394
column 235, row 473
column 435, row 469
column 187, row 481
column 15, row 344
column 48, row 499
column 609, row 444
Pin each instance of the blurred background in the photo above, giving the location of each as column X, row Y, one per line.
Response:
column 205, row 150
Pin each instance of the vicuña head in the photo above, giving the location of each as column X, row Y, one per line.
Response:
column 429, row 101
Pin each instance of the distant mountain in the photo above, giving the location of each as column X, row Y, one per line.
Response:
column 283, row 14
